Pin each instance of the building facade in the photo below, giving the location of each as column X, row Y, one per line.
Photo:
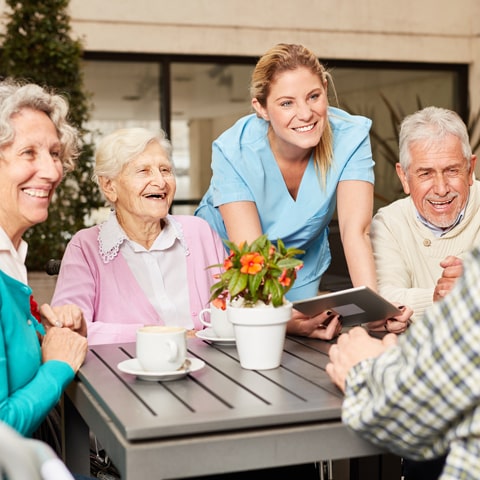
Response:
column 185, row 66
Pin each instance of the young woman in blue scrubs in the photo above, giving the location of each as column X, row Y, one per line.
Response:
column 284, row 169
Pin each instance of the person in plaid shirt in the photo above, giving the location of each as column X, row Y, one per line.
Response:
column 418, row 394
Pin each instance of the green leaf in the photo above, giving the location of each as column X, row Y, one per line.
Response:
column 237, row 283
column 259, row 244
column 216, row 290
column 254, row 281
column 277, row 293
column 289, row 263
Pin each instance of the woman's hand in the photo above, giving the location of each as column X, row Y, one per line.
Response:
column 324, row 326
column 396, row 325
column 68, row 316
column 64, row 345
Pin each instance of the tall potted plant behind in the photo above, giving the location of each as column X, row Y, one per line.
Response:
column 37, row 44
column 252, row 288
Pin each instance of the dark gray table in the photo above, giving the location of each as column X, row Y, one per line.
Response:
column 219, row 419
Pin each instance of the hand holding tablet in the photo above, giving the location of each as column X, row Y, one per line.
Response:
column 355, row 305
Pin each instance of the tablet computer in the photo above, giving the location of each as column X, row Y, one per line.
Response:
column 356, row 305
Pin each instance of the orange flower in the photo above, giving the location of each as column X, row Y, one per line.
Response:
column 227, row 263
column 252, row 263
column 297, row 268
column 259, row 272
column 284, row 279
column 220, row 303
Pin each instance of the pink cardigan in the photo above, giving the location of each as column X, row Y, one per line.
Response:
column 113, row 303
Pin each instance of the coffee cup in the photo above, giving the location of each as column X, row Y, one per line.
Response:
column 218, row 322
column 161, row 348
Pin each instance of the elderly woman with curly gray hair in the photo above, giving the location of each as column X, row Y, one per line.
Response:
column 37, row 360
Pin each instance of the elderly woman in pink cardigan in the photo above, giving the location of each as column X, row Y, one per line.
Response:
column 142, row 265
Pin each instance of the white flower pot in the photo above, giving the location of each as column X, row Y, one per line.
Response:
column 260, row 334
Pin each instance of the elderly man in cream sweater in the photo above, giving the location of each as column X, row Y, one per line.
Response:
column 419, row 241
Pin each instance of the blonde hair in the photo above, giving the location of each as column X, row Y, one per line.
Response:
column 284, row 57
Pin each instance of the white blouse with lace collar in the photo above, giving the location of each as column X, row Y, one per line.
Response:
column 160, row 271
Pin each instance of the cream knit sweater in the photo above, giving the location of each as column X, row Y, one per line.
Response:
column 407, row 254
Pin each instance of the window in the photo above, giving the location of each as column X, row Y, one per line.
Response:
column 198, row 98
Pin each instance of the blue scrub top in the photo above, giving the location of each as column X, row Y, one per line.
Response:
column 244, row 169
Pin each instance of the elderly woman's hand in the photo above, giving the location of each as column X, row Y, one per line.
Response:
column 324, row 326
column 68, row 316
column 397, row 324
column 64, row 345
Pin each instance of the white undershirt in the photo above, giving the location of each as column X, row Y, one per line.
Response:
column 162, row 274
column 12, row 261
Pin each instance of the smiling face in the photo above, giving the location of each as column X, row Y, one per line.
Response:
column 30, row 170
column 438, row 180
column 296, row 108
column 143, row 191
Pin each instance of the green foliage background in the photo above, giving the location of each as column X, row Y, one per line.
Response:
column 37, row 46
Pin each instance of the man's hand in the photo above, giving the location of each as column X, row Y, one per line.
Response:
column 350, row 349
column 452, row 270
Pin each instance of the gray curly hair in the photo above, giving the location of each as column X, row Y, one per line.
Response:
column 16, row 95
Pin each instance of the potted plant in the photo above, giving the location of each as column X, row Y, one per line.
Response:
column 252, row 288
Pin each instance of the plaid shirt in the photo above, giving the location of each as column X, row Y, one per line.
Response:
column 421, row 398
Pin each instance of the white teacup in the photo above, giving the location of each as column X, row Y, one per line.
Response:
column 161, row 348
column 219, row 322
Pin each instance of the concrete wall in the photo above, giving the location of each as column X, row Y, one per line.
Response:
column 408, row 30
column 380, row 30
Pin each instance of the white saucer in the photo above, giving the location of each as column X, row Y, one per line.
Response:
column 133, row 367
column 209, row 334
